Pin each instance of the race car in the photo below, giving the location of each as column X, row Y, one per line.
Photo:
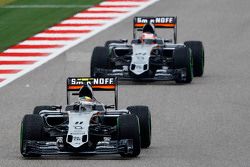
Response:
column 86, row 126
column 149, row 57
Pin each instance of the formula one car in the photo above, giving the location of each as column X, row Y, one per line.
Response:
column 86, row 126
column 149, row 57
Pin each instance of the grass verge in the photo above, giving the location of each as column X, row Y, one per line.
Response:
column 17, row 24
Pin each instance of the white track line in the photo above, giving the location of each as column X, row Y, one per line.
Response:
column 44, row 6
column 30, row 50
column 74, row 28
column 39, row 42
column 81, row 37
column 75, row 21
column 121, row 3
column 14, row 67
column 97, row 14
column 111, row 9
column 7, row 76
column 15, row 58
column 59, row 35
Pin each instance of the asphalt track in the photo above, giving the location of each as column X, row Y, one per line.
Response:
column 204, row 124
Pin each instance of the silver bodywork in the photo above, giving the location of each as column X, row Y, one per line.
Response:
column 139, row 64
column 79, row 127
column 140, row 58
column 84, row 127
column 79, row 121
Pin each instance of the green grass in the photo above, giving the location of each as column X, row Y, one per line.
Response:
column 17, row 24
column 4, row 2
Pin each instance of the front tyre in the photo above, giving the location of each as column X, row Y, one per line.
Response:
column 99, row 59
column 183, row 59
column 31, row 129
column 129, row 128
column 198, row 56
column 143, row 113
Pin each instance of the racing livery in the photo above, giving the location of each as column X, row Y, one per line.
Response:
column 86, row 126
column 149, row 57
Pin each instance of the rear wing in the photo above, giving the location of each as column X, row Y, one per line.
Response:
column 169, row 22
column 74, row 84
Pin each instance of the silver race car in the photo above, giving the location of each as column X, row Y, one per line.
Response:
column 149, row 57
column 86, row 126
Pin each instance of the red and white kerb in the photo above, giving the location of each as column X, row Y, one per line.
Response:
column 40, row 48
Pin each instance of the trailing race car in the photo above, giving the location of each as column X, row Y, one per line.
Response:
column 149, row 57
column 86, row 126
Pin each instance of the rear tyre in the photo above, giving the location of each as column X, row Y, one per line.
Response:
column 99, row 59
column 31, row 129
column 112, row 41
column 129, row 128
column 37, row 109
column 198, row 56
column 183, row 59
column 143, row 113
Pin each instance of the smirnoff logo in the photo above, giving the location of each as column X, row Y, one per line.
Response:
column 103, row 81
column 155, row 20
column 95, row 81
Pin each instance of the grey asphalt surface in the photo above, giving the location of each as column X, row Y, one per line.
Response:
column 203, row 124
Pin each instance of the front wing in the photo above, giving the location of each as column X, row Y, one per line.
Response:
column 52, row 148
column 160, row 75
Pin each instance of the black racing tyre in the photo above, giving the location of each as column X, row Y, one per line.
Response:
column 143, row 113
column 129, row 128
column 198, row 56
column 112, row 41
column 183, row 59
column 31, row 129
column 99, row 59
column 37, row 109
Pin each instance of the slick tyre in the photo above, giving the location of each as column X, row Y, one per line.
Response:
column 99, row 59
column 183, row 59
column 198, row 56
column 129, row 128
column 112, row 41
column 37, row 109
column 31, row 129
column 143, row 113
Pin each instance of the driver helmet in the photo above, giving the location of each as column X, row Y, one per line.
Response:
column 148, row 33
column 148, row 38
column 86, row 103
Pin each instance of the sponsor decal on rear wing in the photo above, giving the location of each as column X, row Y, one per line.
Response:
column 166, row 22
column 158, row 22
column 98, row 84
column 74, row 84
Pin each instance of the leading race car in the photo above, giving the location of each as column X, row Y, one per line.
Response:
column 149, row 57
column 86, row 126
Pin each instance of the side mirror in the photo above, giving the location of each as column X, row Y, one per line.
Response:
column 109, row 106
column 56, row 107
column 168, row 40
column 124, row 40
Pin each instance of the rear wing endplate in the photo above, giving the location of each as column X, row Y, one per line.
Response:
column 74, row 84
column 158, row 22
